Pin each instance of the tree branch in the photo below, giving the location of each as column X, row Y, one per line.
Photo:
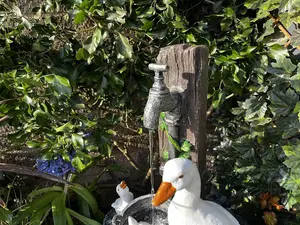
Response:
column 31, row 172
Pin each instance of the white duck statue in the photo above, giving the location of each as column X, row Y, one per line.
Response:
column 132, row 221
column 182, row 177
column 125, row 197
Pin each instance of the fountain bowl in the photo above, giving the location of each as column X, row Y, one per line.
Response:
column 141, row 210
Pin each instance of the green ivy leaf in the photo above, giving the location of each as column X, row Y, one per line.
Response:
column 123, row 46
column 78, row 142
column 277, row 51
column 295, row 82
column 61, row 85
column 82, row 53
column 283, row 103
column 77, row 163
column 295, row 39
column 186, row 146
column 93, row 42
column 289, row 126
column 284, row 63
column 79, row 17
column 255, row 108
column 65, row 128
column 33, row 144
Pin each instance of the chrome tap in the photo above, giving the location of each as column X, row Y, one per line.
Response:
column 160, row 99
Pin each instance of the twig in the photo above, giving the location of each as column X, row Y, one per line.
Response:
column 31, row 172
column 282, row 28
column 128, row 157
column 4, row 118
column 7, row 100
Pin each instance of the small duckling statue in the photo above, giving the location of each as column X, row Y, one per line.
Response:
column 132, row 221
column 125, row 197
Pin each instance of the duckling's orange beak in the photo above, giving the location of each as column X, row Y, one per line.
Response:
column 164, row 192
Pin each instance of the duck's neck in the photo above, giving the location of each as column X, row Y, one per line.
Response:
column 190, row 196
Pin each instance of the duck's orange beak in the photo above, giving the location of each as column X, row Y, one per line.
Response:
column 164, row 192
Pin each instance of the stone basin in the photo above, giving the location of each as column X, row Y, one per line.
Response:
column 141, row 210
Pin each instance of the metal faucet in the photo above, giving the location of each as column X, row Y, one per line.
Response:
column 160, row 99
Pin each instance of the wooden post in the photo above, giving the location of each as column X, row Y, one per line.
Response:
column 188, row 66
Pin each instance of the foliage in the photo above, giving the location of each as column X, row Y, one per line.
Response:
column 56, row 72
column 54, row 199
column 184, row 149
column 254, row 88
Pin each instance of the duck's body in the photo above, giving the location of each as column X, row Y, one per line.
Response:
column 204, row 213
column 125, row 197
column 187, row 208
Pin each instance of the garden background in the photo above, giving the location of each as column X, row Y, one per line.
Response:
column 74, row 81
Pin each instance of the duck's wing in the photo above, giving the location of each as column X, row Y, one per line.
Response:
column 217, row 214
column 117, row 203
column 132, row 221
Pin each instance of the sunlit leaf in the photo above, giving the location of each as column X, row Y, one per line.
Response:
column 79, row 17
column 65, row 128
column 123, row 46
column 93, row 42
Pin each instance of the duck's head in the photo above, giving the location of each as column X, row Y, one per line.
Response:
column 178, row 174
column 122, row 189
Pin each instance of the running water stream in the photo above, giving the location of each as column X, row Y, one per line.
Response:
column 151, row 149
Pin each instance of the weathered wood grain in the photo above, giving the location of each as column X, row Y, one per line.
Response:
column 187, row 73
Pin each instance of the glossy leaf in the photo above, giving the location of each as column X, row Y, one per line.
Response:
column 79, row 17
column 123, row 46
column 35, row 205
column 65, row 128
column 83, row 219
column 283, row 103
column 78, row 141
column 87, row 196
column 44, row 190
column 5, row 215
column 93, row 42
column 59, row 210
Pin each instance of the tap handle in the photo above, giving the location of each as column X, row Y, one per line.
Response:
column 158, row 69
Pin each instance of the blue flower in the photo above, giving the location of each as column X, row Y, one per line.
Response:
column 58, row 166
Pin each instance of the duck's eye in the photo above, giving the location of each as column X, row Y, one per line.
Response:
column 181, row 176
